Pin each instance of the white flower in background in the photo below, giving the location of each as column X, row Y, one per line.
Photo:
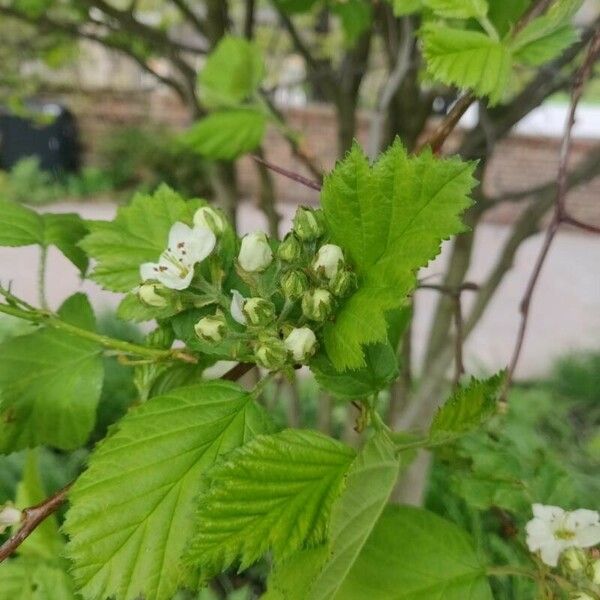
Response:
column 9, row 516
column 255, row 253
column 329, row 260
column 175, row 267
column 301, row 342
column 237, row 307
column 210, row 218
column 553, row 530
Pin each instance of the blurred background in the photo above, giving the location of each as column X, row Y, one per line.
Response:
column 95, row 99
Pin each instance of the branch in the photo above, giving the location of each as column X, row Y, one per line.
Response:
column 32, row 517
column 581, row 78
column 313, row 185
column 190, row 15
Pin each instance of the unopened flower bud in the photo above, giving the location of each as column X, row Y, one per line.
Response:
column 328, row 261
column 9, row 516
column 317, row 304
column 211, row 218
column 149, row 294
column 593, row 571
column 255, row 253
column 308, row 224
column 301, row 342
column 294, row 284
column 574, row 559
column 258, row 311
column 271, row 354
column 343, row 284
column 211, row 328
column 290, row 249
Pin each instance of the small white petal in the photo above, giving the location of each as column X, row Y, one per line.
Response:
column 237, row 304
column 538, row 534
column 582, row 517
column 148, row 271
column 174, row 280
column 548, row 513
column 179, row 232
column 202, row 243
column 549, row 553
column 587, row 536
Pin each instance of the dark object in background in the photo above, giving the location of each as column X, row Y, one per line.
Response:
column 50, row 134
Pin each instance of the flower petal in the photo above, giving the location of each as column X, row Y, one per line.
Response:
column 237, row 304
column 538, row 533
column 179, row 232
column 173, row 280
column 588, row 536
column 550, row 552
column 202, row 243
column 547, row 512
column 148, row 271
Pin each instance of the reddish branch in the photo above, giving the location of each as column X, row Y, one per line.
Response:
column 560, row 215
column 32, row 517
column 313, row 185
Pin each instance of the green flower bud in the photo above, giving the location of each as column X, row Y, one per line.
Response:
column 255, row 253
column 9, row 516
column 301, row 342
column 308, row 224
column 150, row 295
column 574, row 559
column 211, row 219
column 593, row 571
column 328, row 261
column 317, row 304
column 294, row 284
column 271, row 354
column 211, row 328
column 343, row 284
column 259, row 311
column 290, row 249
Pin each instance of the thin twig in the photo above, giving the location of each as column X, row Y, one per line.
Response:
column 559, row 216
column 458, row 340
column 313, row 185
column 568, row 219
column 32, row 517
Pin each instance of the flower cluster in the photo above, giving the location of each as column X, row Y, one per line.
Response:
column 277, row 299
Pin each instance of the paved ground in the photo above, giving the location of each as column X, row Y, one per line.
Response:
column 565, row 314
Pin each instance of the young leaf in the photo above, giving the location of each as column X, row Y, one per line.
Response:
column 369, row 483
column 225, row 135
column 138, row 234
column 390, row 220
column 414, row 554
column 65, row 231
column 467, row 408
column 458, row 9
column 19, row 226
column 34, row 579
column 406, row 7
column 231, row 74
column 274, row 493
column 50, row 382
column 468, row 59
column 131, row 510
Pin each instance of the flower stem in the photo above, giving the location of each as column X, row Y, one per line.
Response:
column 511, row 570
column 42, row 277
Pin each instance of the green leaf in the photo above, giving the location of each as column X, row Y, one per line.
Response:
column 231, row 74
column 458, row 9
column 65, row 231
column 390, row 220
column 547, row 36
column 467, row 409
column 45, row 542
column 225, row 135
column 21, row 226
column 50, row 383
column 406, row 7
column 356, row 17
column 369, row 483
column 380, row 371
column 138, row 234
column 295, row 6
column 274, row 493
column 33, row 579
column 413, row 554
column 467, row 59
column 130, row 514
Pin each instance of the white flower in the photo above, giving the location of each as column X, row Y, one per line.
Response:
column 237, row 307
column 9, row 516
column 329, row 259
column 255, row 253
column 186, row 247
column 301, row 342
column 553, row 530
column 210, row 218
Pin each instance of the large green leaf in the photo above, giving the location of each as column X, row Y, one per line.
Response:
column 468, row 59
column 406, row 7
column 467, row 409
column 390, row 220
column 412, row 554
column 227, row 134
column 138, row 234
column 458, row 9
column 34, row 579
column 131, row 511
column 274, row 493
column 21, row 226
column 50, row 383
column 231, row 74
